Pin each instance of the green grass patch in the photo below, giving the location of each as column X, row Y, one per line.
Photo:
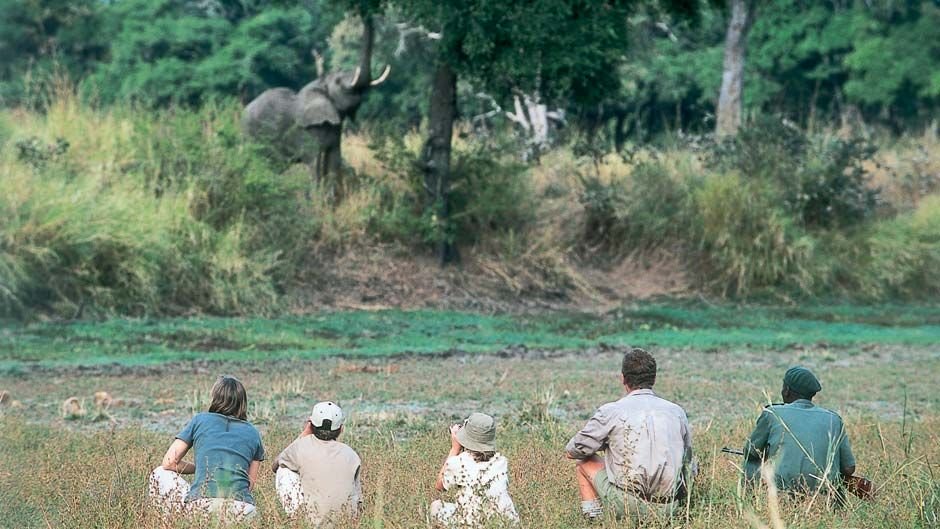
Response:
column 383, row 333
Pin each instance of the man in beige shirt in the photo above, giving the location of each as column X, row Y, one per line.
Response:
column 317, row 473
column 647, row 445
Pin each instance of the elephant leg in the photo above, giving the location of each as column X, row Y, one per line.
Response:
column 334, row 168
column 321, row 173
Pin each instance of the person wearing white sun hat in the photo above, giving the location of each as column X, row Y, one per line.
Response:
column 318, row 475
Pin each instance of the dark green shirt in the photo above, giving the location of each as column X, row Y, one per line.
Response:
column 223, row 449
column 805, row 443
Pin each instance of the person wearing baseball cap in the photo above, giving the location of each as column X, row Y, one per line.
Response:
column 478, row 473
column 806, row 444
column 317, row 474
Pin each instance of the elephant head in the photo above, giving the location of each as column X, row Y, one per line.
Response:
column 345, row 88
column 338, row 91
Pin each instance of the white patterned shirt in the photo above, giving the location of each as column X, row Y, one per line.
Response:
column 483, row 490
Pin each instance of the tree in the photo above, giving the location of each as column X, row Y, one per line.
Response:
column 730, row 98
column 40, row 39
column 562, row 50
column 894, row 66
column 185, row 51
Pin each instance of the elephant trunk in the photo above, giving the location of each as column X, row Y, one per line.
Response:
column 364, row 76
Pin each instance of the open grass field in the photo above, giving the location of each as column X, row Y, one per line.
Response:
column 879, row 368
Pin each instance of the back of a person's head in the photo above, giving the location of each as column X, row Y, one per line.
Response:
column 325, row 431
column 638, row 369
column 327, row 419
column 481, row 457
column 228, row 397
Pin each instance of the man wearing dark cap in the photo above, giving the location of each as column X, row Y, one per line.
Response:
column 806, row 444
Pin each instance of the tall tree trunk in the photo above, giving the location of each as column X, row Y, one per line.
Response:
column 730, row 101
column 436, row 153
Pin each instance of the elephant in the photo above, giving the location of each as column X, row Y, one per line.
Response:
column 307, row 125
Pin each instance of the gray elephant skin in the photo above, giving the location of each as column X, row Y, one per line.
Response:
column 306, row 126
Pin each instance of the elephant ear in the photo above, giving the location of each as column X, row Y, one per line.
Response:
column 315, row 109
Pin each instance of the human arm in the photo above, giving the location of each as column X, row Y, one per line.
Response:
column 253, row 468
column 173, row 459
column 846, row 457
column 591, row 439
column 357, row 491
column 455, row 450
column 689, row 464
column 755, row 448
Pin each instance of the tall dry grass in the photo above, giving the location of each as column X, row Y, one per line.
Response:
column 56, row 478
column 122, row 210
column 87, row 231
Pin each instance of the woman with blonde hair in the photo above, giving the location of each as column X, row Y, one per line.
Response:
column 227, row 455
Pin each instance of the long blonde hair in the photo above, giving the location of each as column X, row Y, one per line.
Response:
column 229, row 398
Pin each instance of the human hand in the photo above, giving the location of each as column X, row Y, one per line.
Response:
column 308, row 428
column 455, row 445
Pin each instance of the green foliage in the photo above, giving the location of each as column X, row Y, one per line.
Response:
column 833, row 189
column 144, row 213
column 75, row 248
column 813, row 62
column 173, row 51
column 896, row 258
column 644, row 211
column 36, row 153
column 772, row 211
column 6, row 130
column 749, row 243
column 505, row 46
column 894, row 63
column 490, row 196
column 819, row 181
column 42, row 40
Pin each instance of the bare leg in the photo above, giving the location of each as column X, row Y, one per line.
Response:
column 586, row 470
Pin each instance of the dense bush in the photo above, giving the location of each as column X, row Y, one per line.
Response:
column 748, row 242
column 643, row 211
column 489, row 195
column 153, row 212
column 898, row 258
column 772, row 211
column 819, row 181
column 141, row 213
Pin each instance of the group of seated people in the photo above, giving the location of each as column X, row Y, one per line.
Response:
column 645, row 470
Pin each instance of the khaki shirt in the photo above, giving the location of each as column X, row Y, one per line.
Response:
column 329, row 476
column 807, row 445
column 647, row 441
